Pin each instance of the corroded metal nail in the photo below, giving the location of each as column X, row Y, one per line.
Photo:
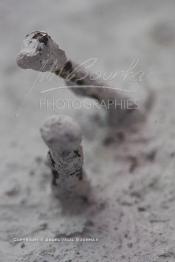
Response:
column 41, row 53
column 63, row 137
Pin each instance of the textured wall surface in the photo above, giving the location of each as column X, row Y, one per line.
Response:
column 132, row 209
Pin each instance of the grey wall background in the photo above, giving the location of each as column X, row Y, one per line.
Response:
column 133, row 212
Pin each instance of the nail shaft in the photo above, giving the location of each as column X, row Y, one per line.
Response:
column 63, row 137
column 41, row 53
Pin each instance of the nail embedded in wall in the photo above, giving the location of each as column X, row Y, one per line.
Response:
column 42, row 54
column 63, row 137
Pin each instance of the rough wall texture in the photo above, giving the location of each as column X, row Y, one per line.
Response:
column 132, row 209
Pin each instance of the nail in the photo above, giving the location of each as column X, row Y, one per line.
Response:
column 63, row 137
column 42, row 54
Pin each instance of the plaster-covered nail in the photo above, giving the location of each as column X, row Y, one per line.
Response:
column 63, row 137
column 41, row 53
